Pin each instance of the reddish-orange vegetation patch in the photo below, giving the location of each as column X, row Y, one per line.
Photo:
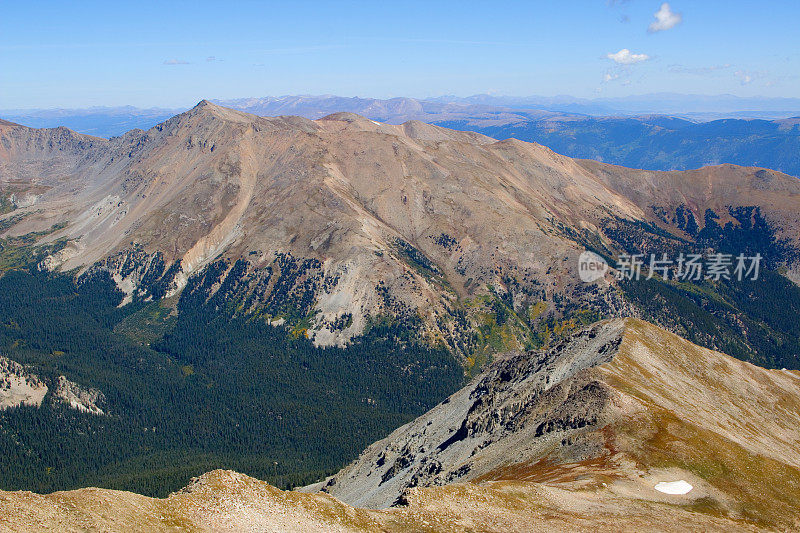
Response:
column 547, row 470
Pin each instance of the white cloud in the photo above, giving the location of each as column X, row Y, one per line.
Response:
column 211, row 58
column 176, row 62
column 666, row 19
column 626, row 57
column 610, row 76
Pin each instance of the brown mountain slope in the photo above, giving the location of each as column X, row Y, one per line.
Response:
column 577, row 438
column 622, row 405
column 361, row 219
column 716, row 188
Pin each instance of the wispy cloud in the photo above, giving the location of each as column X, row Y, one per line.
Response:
column 175, row 62
column 745, row 77
column 211, row 59
column 626, row 57
column 666, row 19
column 456, row 41
column 300, row 49
column 698, row 71
column 622, row 4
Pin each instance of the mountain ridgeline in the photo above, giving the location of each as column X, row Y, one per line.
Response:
column 663, row 132
column 295, row 289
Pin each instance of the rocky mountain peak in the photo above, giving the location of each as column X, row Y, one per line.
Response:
column 344, row 117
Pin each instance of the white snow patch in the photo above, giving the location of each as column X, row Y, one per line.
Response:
column 376, row 123
column 673, row 487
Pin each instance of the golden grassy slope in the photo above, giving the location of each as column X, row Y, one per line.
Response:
column 729, row 428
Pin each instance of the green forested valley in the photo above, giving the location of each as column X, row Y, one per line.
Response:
column 189, row 393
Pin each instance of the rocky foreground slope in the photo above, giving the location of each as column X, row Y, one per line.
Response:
column 623, row 401
column 575, row 438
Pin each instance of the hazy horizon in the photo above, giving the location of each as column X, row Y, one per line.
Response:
column 498, row 99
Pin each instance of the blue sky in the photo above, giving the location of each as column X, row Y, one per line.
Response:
column 78, row 54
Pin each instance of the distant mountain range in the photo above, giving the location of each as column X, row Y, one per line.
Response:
column 655, row 132
column 695, row 106
column 98, row 121
column 655, row 142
